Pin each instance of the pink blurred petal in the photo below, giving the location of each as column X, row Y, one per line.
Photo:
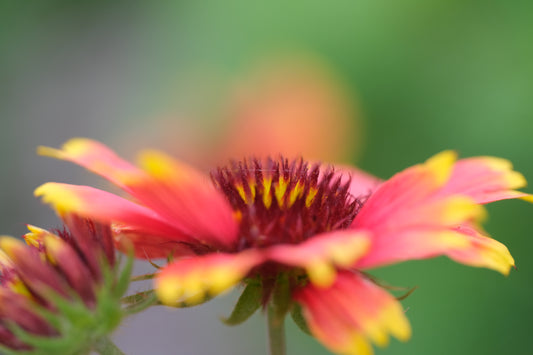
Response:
column 321, row 255
column 194, row 279
column 482, row 251
column 98, row 158
column 485, row 179
column 182, row 196
column 105, row 207
column 409, row 218
column 296, row 109
column 352, row 312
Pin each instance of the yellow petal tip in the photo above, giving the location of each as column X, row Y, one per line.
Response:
column 441, row 165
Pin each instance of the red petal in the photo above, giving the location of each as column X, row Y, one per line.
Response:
column 485, row 179
column 351, row 313
column 98, row 158
column 410, row 219
column 175, row 191
column 192, row 280
column 105, row 207
column 188, row 199
column 482, row 251
column 321, row 255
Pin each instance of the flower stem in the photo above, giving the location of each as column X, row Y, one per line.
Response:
column 276, row 331
column 104, row 346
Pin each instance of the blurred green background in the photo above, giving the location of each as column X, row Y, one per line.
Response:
column 425, row 75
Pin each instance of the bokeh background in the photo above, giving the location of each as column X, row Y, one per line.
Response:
column 416, row 77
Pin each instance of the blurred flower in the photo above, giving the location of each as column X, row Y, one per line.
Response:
column 60, row 294
column 292, row 104
column 298, row 234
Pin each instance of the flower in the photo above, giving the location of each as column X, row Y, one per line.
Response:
column 301, row 233
column 60, row 294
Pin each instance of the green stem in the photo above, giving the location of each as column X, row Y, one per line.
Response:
column 276, row 331
column 104, row 346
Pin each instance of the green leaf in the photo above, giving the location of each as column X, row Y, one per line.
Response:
column 124, row 278
column 298, row 318
column 248, row 303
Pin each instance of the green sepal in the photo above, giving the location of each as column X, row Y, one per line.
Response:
column 80, row 328
column 248, row 303
column 139, row 302
column 143, row 277
column 124, row 278
column 299, row 320
column 8, row 351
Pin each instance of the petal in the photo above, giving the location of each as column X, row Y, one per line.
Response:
column 173, row 190
column 411, row 187
column 148, row 246
column 96, row 157
column 410, row 219
column 94, row 240
column 104, row 207
column 21, row 311
column 351, row 313
column 193, row 280
column 482, row 251
column 485, row 179
column 189, row 199
column 321, row 255
column 65, row 258
column 411, row 244
column 37, row 275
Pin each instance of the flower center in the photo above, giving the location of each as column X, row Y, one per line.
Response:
column 281, row 201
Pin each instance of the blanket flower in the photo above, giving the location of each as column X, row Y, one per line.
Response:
column 302, row 230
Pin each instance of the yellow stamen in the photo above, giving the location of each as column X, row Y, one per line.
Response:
column 296, row 193
column 280, row 189
column 267, row 198
column 310, row 196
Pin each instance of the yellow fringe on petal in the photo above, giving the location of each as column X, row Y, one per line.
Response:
column 441, row 165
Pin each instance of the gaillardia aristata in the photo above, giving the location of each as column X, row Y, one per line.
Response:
column 61, row 293
column 302, row 233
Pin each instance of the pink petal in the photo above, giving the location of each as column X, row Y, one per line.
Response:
column 192, row 280
column 352, row 312
column 482, row 251
column 410, row 188
column 485, row 179
column 149, row 246
column 98, row 158
column 411, row 244
column 175, row 191
column 105, row 207
column 188, row 199
column 321, row 255
column 410, row 219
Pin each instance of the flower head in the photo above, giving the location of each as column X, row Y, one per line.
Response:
column 60, row 292
column 300, row 233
